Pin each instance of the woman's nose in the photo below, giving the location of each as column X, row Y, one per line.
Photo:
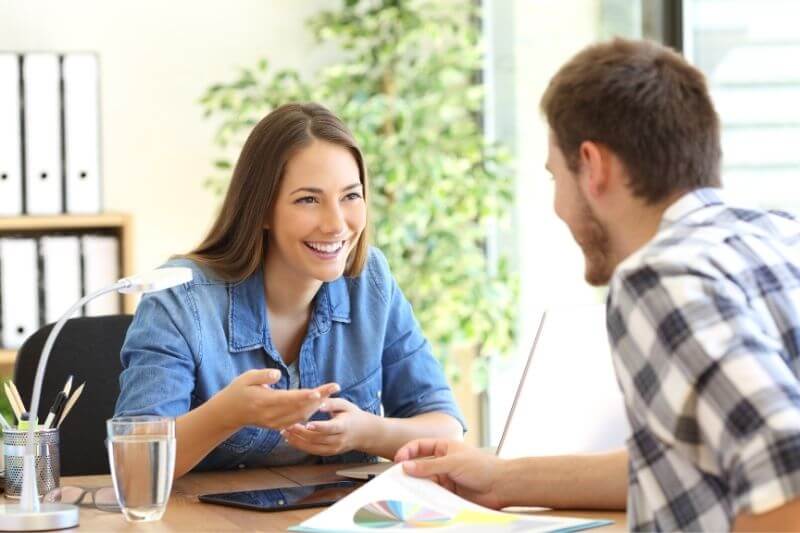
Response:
column 333, row 220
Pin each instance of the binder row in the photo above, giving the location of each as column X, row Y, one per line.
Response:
column 40, row 278
column 49, row 134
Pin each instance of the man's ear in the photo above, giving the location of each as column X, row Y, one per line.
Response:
column 594, row 168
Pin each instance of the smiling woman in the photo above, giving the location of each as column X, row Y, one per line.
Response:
column 293, row 340
column 319, row 214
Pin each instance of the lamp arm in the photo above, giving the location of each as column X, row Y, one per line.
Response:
column 29, row 499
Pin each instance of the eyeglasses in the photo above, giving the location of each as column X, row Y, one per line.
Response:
column 102, row 498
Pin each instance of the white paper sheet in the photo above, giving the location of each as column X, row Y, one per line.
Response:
column 394, row 500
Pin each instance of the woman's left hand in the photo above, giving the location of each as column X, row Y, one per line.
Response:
column 345, row 431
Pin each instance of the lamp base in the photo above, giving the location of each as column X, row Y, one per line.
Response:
column 49, row 516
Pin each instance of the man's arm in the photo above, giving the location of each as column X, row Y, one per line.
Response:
column 597, row 481
column 784, row 518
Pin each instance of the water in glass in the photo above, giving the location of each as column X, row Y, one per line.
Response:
column 141, row 452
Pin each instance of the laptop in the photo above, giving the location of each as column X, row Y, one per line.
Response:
column 567, row 400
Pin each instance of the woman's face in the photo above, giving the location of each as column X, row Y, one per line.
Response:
column 319, row 213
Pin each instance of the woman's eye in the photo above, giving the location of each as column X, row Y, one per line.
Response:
column 306, row 200
column 353, row 196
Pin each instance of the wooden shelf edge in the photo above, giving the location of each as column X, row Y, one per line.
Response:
column 63, row 222
column 7, row 358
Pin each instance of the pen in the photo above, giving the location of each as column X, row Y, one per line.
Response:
column 68, row 386
column 70, row 403
column 55, row 409
column 12, row 401
column 15, row 392
column 24, row 422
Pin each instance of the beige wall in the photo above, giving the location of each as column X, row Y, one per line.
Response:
column 157, row 57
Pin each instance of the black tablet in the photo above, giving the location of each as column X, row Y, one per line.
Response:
column 284, row 498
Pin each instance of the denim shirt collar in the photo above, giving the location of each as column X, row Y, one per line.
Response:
column 247, row 312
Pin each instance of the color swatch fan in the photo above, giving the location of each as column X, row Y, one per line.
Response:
column 393, row 514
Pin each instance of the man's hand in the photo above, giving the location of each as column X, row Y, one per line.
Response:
column 464, row 470
column 347, row 430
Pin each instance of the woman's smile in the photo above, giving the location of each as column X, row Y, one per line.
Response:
column 326, row 249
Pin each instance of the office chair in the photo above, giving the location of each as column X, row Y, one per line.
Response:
column 88, row 348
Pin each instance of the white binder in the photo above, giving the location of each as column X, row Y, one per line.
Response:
column 61, row 276
column 42, row 97
column 10, row 136
column 100, row 269
column 81, row 132
column 19, row 290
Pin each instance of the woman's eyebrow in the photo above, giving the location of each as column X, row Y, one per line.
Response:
column 320, row 191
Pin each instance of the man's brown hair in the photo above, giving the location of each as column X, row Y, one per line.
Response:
column 646, row 104
column 235, row 246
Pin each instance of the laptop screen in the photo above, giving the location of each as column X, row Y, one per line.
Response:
column 567, row 400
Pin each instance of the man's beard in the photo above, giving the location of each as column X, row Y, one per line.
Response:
column 592, row 236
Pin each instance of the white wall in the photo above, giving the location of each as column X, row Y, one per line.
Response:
column 157, row 58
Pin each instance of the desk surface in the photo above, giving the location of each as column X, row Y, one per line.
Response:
column 185, row 513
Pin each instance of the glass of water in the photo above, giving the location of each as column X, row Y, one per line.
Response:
column 141, row 453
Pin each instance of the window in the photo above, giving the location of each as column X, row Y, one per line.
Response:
column 750, row 53
column 527, row 41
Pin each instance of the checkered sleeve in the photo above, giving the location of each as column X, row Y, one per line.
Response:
column 707, row 379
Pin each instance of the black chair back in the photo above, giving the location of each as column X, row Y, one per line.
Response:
column 88, row 348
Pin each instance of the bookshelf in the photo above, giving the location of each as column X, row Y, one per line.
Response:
column 117, row 224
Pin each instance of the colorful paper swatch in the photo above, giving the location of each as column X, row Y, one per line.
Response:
column 394, row 514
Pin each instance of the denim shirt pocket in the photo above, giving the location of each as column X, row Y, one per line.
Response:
column 366, row 394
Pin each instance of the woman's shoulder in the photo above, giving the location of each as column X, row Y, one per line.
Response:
column 201, row 274
column 204, row 289
column 377, row 263
column 376, row 275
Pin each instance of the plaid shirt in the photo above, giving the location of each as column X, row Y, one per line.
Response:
column 704, row 323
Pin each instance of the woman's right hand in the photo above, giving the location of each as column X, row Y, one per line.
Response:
column 249, row 400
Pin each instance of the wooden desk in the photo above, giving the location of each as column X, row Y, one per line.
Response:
column 185, row 513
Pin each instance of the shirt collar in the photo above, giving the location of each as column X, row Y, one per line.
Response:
column 689, row 203
column 339, row 300
column 247, row 311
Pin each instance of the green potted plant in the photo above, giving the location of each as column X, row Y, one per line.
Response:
column 408, row 86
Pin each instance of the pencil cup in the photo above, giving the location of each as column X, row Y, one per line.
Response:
column 48, row 460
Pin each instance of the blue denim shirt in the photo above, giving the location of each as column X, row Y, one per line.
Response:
column 187, row 343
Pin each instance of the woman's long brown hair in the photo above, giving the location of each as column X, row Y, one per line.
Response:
column 235, row 246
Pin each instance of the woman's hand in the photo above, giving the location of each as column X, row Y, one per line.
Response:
column 348, row 429
column 249, row 400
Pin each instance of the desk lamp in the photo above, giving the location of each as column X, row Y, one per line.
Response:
column 31, row 514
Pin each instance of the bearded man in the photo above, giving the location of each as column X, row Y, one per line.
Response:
column 703, row 312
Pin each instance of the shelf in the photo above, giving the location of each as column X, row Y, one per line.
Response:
column 62, row 222
column 119, row 224
column 7, row 358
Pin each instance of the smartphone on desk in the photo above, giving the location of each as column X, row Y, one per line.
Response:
column 284, row 498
